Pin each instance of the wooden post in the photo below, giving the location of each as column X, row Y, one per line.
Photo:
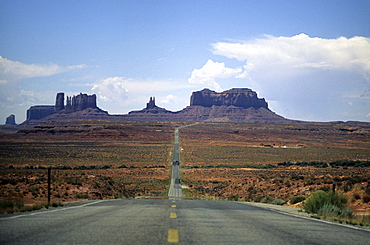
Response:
column 334, row 184
column 49, row 185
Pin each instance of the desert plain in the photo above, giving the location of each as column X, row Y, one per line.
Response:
column 281, row 163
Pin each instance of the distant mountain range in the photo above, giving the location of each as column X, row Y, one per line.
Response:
column 240, row 105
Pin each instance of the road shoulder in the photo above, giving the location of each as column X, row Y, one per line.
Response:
column 286, row 209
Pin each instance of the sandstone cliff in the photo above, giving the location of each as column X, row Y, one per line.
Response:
column 74, row 104
column 234, row 105
column 239, row 97
column 150, row 109
column 10, row 120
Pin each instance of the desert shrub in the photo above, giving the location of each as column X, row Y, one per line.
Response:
column 34, row 189
column 325, row 188
column 258, row 198
column 267, row 199
column 329, row 210
column 288, row 184
column 356, row 196
column 61, row 167
column 346, row 212
column 82, row 196
column 8, row 206
column 122, row 166
column 320, row 198
column 366, row 198
column 56, row 204
column 347, row 187
column 8, row 181
column 234, row 198
column 73, row 181
column 278, row 201
column 350, row 163
column 297, row 199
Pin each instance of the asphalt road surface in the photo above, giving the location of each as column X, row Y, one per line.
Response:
column 164, row 221
column 175, row 190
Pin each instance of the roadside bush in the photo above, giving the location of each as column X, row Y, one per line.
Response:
column 267, row 199
column 258, row 198
column 234, row 198
column 297, row 199
column 278, row 201
column 7, row 206
column 329, row 210
column 82, row 196
column 319, row 199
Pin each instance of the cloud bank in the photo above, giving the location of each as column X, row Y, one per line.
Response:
column 13, row 98
column 121, row 94
column 15, row 70
column 300, row 51
column 207, row 75
column 302, row 77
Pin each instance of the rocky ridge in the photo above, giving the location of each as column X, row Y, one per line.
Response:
column 240, row 105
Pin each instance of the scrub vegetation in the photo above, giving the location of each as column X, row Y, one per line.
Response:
column 270, row 163
column 278, row 164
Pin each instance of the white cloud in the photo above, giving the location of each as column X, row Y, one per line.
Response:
column 119, row 95
column 15, row 70
column 305, row 75
column 300, row 51
column 111, row 89
column 13, row 98
column 206, row 76
column 169, row 99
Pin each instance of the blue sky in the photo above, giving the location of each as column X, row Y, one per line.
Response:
column 309, row 59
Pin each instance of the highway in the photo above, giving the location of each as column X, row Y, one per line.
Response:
column 171, row 220
column 166, row 221
column 175, row 191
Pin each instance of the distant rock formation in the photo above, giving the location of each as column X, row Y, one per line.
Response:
column 239, row 105
column 80, row 102
column 74, row 104
column 148, row 112
column 234, row 105
column 10, row 121
column 151, row 103
column 239, row 97
column 59, row 102
column 37, row 112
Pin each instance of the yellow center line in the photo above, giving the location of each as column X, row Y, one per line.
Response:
column 173, row 215
column 173, row 236
column 173, row 206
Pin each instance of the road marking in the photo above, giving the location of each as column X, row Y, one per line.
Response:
column 173, row 215
column 173, row 206
column 54, row 210
column 173, row 236
column 173, row 201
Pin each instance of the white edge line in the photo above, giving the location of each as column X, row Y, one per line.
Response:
column 53, row 210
